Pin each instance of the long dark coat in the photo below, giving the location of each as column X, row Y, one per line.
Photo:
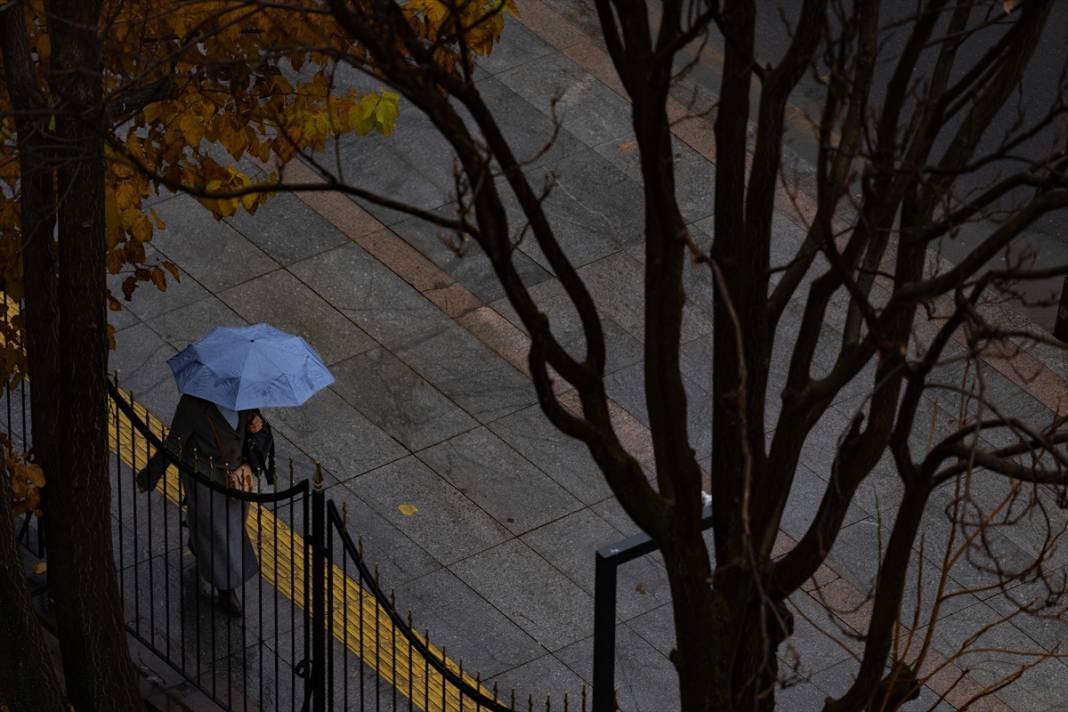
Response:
column 217, row 534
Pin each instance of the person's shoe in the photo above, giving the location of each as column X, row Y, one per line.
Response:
column 229, row 602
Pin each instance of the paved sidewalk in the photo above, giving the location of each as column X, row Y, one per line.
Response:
column 432, row 406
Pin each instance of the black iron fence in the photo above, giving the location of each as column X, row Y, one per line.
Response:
column 171, row 570
column 318, row 629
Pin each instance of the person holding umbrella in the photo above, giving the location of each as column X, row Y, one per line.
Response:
column 224, row 379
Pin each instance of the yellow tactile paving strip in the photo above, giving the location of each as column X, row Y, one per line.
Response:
column 280, row 552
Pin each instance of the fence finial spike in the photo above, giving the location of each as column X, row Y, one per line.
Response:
column 345, row 513
column 548, row 704
column 359, row 546
column 318, row 476
column 495, row 691
column 565, row 703
column 290, row 472
column 376, row 574
column 583, row 697
column 530, row 702
column 512, row 703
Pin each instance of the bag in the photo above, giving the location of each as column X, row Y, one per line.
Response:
column 258, row 450
column 241, row 479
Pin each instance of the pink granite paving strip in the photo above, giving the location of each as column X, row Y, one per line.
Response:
column 492, row 329
column 551, row 27
column 455, row 300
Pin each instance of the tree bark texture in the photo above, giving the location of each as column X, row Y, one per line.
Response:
column 96, row 658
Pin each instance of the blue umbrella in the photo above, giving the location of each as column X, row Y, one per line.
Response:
column 250, row 367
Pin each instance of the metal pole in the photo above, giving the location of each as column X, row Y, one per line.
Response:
column 318, row 594
column 604, row 634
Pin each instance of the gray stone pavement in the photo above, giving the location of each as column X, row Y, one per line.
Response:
column 497, row 560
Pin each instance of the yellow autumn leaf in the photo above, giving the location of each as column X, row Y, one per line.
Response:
column 407, row 509
column 40, row 567
column 114, row 261
column 142, row 228
column 125, row 196
column 192, row 129
column 159, row 279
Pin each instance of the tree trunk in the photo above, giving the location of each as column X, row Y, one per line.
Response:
column 701, row 656
column 27, row 680
column 96, row 657
column 763, row 627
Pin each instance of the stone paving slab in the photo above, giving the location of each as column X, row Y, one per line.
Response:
column 400, row 401
column 184, row 325
column 621, row 348
column 445, row 522
column 564, row 459
column 657, row 627
column 388, row 310
column 819, row 641
column 586, row 108
column 856, row 554
column 398, row 558
column 280, row 299
column 803, row 502
column 471, row 267
column 1033, row 691
column 346, row 442
column 147, row 301
column 1047, row 628
column 527, row 130
column 210, row 251
column 493, row 390
column 141, row 363
column 640, row 672
column 627, row 387
column 694, row 176
column 521, row 584
column 518, row 47
column 480, row 635
column 287, row 229
column 533, row 680
column 566, row 544
column 616, row 286
column 386, row 171
column 499, row 480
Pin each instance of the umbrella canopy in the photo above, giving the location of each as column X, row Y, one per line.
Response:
column 250, row 367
